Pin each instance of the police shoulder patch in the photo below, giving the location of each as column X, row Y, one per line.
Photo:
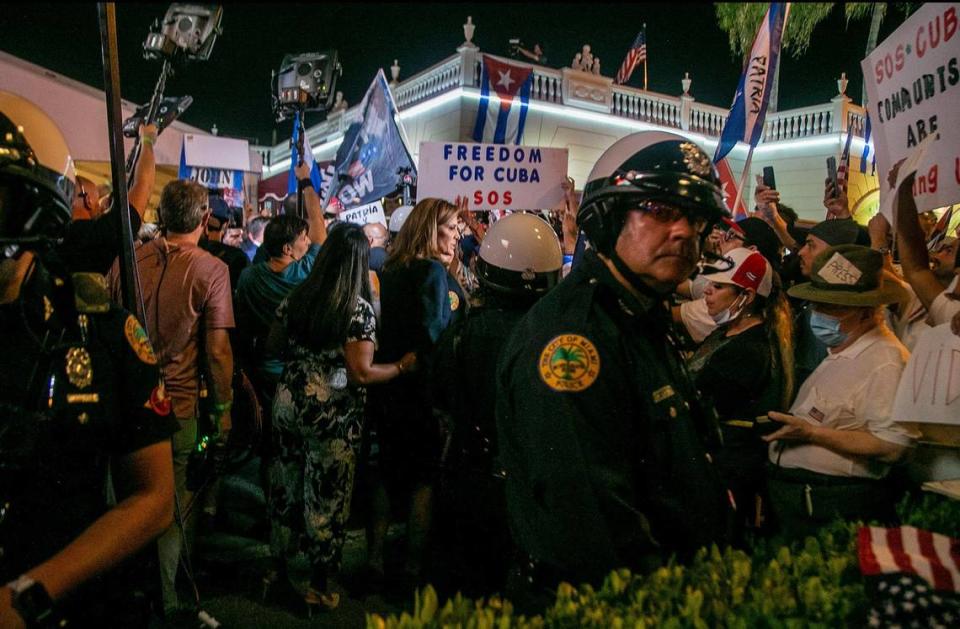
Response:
column 569, row 362
column 454, row 300
column 139, row 341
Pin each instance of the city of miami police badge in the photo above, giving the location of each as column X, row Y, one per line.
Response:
column 569, row 362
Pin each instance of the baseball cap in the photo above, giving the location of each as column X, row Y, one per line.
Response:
column 750, row 270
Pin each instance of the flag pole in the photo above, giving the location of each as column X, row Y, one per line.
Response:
column 743, row 180
column 645, row 57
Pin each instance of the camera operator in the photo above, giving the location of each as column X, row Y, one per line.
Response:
column 537, row 55
column 80, row 393
column 92, row 240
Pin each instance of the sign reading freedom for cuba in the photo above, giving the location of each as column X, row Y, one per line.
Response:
column 492, row 176
column 913, row 90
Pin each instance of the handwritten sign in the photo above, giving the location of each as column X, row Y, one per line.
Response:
column 929, row 390
column 913, row 89
column 839, row 270
column 492, row 176
column 369, row 213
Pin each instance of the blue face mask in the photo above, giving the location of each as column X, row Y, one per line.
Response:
column 827, row 329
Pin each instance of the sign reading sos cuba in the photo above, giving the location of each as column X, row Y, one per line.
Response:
column 492, row 176
column 913, row 90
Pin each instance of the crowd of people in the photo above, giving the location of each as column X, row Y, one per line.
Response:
column 538, row 411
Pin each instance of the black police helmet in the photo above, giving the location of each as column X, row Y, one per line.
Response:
column 648, row 166
column 36, row 176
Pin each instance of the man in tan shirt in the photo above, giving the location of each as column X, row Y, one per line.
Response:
column 188, row 311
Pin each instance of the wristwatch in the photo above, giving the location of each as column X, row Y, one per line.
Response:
column 32, row 602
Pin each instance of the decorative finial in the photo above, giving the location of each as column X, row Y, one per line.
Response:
column 685, row 82
column 842, row 84
column 468, row 29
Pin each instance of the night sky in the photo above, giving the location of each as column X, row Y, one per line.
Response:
column 232, row 89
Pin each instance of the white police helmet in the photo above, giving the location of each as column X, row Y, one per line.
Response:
column 520, row 253
column 398, row 218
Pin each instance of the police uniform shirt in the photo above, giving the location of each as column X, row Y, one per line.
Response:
column 600, row 434
column 82, row 403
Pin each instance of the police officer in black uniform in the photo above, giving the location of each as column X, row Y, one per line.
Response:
column 604, row 445
column 80, row 391
column 518, row 262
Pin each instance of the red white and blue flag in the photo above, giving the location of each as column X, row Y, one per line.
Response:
column 749, row 109
column 729, row 187
column 843, row 167
column 503, row 122
column 636, row 54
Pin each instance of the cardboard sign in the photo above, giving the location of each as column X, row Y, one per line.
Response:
column 369, row 213
column 913, row 89
column 929, row 390
column 492, row 176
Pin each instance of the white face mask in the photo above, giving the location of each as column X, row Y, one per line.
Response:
column 731, row 313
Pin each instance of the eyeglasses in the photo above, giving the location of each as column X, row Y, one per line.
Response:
column 665, row 213
column 732, row 234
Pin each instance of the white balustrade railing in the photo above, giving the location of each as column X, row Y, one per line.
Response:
column 798, row 123
column 427, row 84
column 464, row 69
column 707, row 119
column 646, row 106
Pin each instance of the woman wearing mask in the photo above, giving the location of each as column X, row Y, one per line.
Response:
column 419, row 299
column 326, row 333
column 746, row 368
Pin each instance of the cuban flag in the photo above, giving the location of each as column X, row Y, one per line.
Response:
column 502, row 124
column 745, row 121
column 307, row 158
column 729, row 186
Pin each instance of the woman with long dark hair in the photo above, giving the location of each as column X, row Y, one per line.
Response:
column 745, row 367
column 326, row 330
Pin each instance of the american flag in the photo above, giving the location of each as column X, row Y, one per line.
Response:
column 843, row 168
column 636, row 54
column 940, row 230
column 913, row 576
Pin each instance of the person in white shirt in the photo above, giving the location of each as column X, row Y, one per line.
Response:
column 838, row 440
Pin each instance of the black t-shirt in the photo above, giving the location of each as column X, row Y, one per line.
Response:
column 92, row 245
column 74, row 406
column 235, row 259
column 736, row 373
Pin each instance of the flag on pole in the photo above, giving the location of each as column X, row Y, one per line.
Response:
column 939, row 231
column 843, row 167
column 315, row 177
column 636, row 54
column 866, row 146
column 503, row 124
column 729, row 186
column 745, row 121
column 371, row 153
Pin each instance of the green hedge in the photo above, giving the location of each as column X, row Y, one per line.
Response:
column 812, row 583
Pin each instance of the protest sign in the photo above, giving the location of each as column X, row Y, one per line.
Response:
column 492, row 176
column 369, row 213
column 912, row 88
column 929, row 390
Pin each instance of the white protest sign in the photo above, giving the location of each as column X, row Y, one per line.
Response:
column 929, row 390
column 912, row 88
column 492, row 176
column 361, row 215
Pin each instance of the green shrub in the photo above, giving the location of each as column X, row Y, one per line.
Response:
column 811, row 583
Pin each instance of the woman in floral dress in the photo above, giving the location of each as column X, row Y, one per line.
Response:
column 326, row 331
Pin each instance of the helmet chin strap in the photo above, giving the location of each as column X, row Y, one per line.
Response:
column 634, row 279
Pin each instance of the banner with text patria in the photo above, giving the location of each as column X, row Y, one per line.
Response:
column 913, row 90
column 492, row 176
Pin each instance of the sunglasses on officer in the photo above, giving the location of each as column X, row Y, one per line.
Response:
column 669, row 213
